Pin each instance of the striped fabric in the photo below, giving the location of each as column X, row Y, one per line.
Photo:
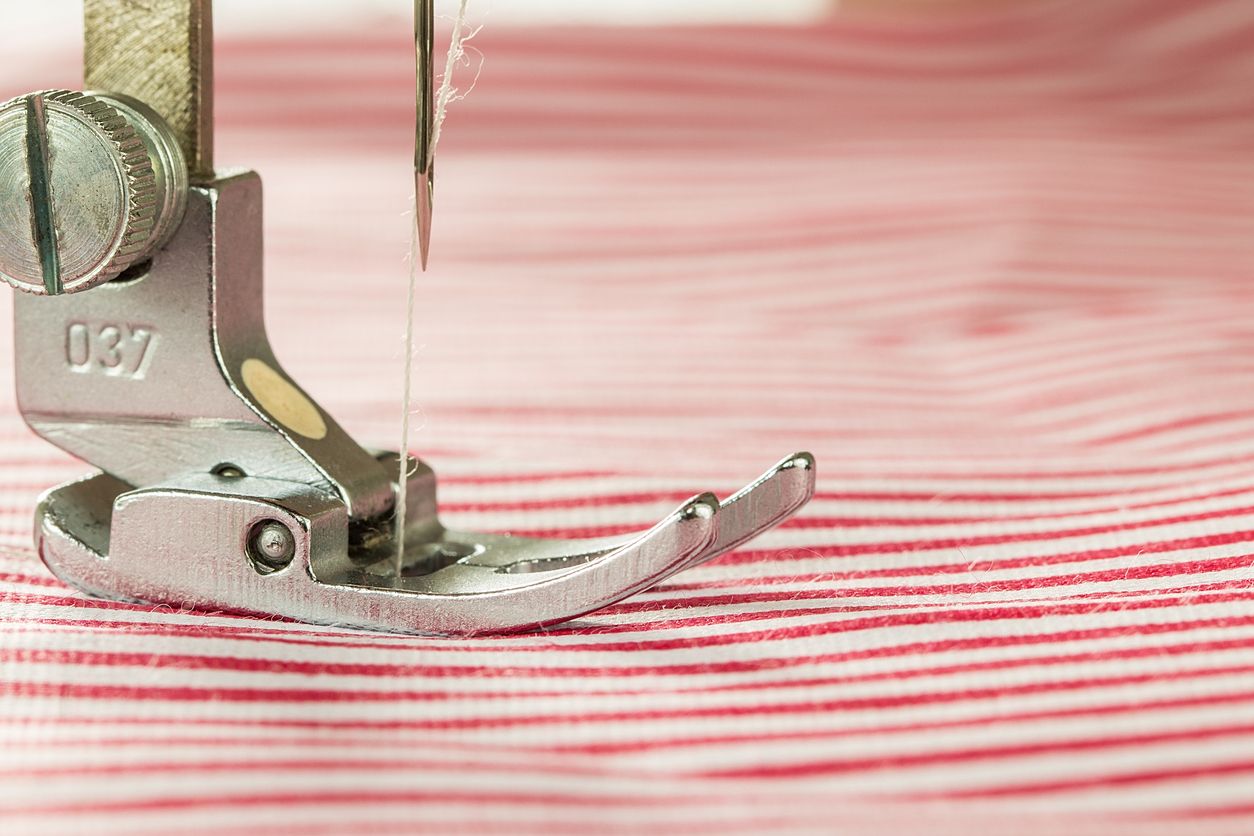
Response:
column 994, row 270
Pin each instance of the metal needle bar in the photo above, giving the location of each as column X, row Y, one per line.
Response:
column 160, row 52
column 424, row 163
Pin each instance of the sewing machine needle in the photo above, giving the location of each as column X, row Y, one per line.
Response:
column 424, row 158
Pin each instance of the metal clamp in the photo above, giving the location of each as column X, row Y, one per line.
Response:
column 224, row 485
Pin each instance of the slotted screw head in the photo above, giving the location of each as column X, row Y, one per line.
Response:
column 90, row 184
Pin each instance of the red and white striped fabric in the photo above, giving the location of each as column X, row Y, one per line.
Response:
column 996, row 271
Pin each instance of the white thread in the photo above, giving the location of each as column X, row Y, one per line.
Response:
column 446, row 95
column 402, row 488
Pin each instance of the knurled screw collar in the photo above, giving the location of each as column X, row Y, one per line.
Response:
column 90, row 185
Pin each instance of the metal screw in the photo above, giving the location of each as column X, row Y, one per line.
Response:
column 271, row 546
column 93, row 183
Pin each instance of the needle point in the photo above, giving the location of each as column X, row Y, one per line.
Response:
column 423, row 188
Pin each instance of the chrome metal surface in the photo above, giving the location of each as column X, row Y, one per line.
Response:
column 90, row 184
column 102, row 536
column 149, row 379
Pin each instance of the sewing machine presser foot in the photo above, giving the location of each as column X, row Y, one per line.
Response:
column 140, row 348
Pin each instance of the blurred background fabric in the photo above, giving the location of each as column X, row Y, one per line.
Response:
column 992, row 263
